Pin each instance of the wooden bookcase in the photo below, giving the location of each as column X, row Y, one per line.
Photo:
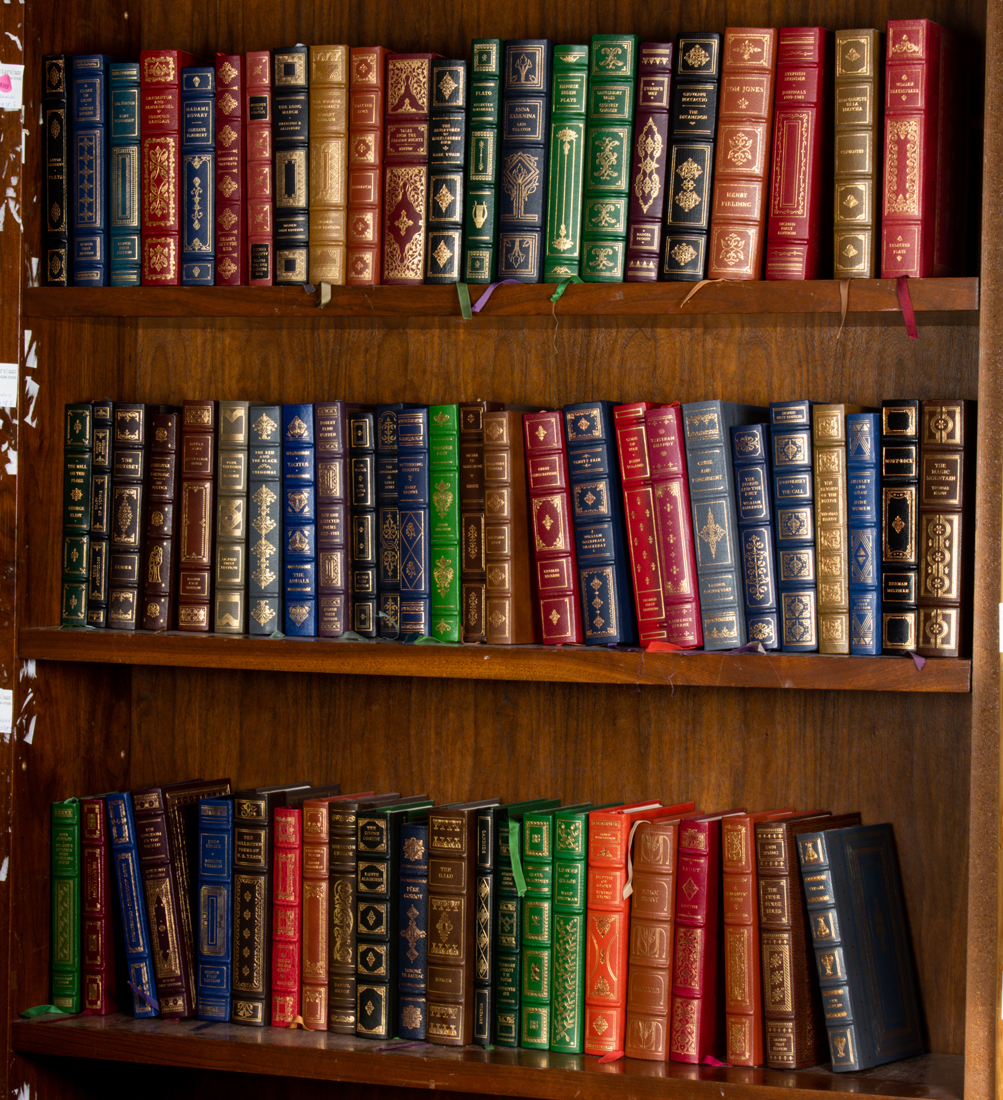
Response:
column 105, row 711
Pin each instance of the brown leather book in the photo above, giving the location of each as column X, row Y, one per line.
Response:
column 159, row 575
column 315, row 914
column 473, row 572
column 198, row 514
column 328, row 163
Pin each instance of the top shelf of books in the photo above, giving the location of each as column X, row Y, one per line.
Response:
column 508, row 300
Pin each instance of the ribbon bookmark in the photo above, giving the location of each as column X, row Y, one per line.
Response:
column 515, row 854
column 463, row 293
column 844, row 303
column 562, row 286
column 905, row 304
column 628, row 886
column 150, row 1002
column 482, row 300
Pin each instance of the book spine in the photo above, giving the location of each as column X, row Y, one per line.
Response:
column 160, row 567
column 522, row 193
column 215, row 887
column 757, row 546
column 562, row 256
column 508, row 956
column 287, row 901
column 131, row 456
column 89, row 161
column 743, row 992
column 571, row 842
column 65, row 957
column 558, row 612
column 473, row 569
column 536, row 972
column 231, row 179
column 333, row 586
column 363, row 537
column 690, row 171
column 413, row 493
column 264, row 501
column 252, row 909
column 328, row 164
column 801, row 179
column 444, row 513
column 291, row 133
column 900, row 462
column 367, row 107
column 129, row 880
column 388, row 571
column 648, row 162
column 863, row 497
column 316, row 915
column 412, row 928
column 742, row 162
column 857, row 164
column 341, row 965
column 299, row 521
column 124, row 245
column 57, row 235
column 447, row 157
column 793, row 499
column 198, row 513
column 78, row 465
column 99, row 568
column 613, row 65
column 483, row 160
column 198, row 176
column 99, row 992
column 405, row 186
column 230, row 586
column 486, row 924
column 260, row 201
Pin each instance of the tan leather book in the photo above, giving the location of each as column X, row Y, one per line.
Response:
column 328, row 163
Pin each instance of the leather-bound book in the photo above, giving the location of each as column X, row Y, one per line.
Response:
column 946, row 535
column 316, row 913
column 794, row 1028
column 412, row 927
column 231, row 183
column 444, row 521
column 215, row 911
column 797, row 238
column 78, row 456
column 367, row 108
column 129, row 483
column 413, row 491
column 328, row 164
column 690, row 171
column 649, row 155
column 558, row 611
column 483, row 160
column 509, row 615
column 198, row 513
column 260, row 169
column 742, row 155
column 405, row 184
column 562, row 255
column 198, row 176
column 99, row 567
column 388, row 568
column 299, row 522
column 860, row 70
column 124, row 241
column 447, row 158
column 863, row 504
column 473, row 574
column 65, row 957
column 331, row 454
column 750, row 444
column 291, row 141
column 89, row 100
column 922, row 210
column 899, row 523
column 264, row 501
column 160, row 163
column 160, row 566
column 57, row 236
column 232, row 468
column 363, row 538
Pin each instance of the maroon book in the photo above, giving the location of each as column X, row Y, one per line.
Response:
column 198, row 514
column 96, row 905
column 259, row 179
column 367, row 106
column 159, row 575
column 231, row 200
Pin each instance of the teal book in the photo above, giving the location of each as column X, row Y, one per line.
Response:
column 562, row 254
column 444, row 520
column 483, row 157
column 65, row 958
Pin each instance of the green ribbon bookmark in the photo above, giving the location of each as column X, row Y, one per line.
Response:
column 46, row 1010
column 515, row 852
column 463, row 293
column 562, row 286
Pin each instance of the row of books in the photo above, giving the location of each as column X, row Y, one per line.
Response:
column 801, row 527
column 619, row 160
column 641, row 928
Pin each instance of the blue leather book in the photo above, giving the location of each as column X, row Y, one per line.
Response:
column 363, row 538
column 198, row 176
column 757, row 550
column 412, row 960
column 215, row 916
column 135, row 933
column 522, row 188
column 863, row 444
column 124, row 249
column 793, row 500
column 483, row 158
column 866, row 975
column 89, row 158
column 413, row 503
column 299, row 513
column 291, row 135
column 600, row 525
column 56, row 178
column 265, row 608
column 447, row 153
column 706, row 425
column 388, row 573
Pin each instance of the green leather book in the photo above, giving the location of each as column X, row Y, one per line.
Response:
column 444, row 520
column 562, row 256
column 65, row 961
column 483, row 148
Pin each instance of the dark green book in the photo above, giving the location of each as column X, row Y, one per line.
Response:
column 65, row 960
column 562, row 255
column 78, row 446
column 483, row 148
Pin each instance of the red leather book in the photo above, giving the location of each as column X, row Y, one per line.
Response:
column 260, row 180
column 557, row 605
column 160, row 163
column 742, row 159
column 315, row 914
column 231, row 198
column 198, row 514
column 96, row 906
column 366, row 110
column 920, row 232
column 608, row 920
column 674, row 525
column 798, row 240
column 287, row 891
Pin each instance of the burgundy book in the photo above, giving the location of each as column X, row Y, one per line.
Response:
column 798, row 237
column 366, row 110
column 922, row 211
column 259, row 168
column 97, row 911
column 160, row 569
column 742, row 159
column 231, row 198
column 198, row 514
column 557, row 606
column 287, row 891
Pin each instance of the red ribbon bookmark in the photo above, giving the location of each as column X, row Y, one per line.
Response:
column 905, row 304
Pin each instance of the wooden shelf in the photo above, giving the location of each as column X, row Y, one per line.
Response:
column 320, row 1056
column 548, row 664
column 586, row 299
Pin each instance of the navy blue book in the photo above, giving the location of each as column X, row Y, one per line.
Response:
column 863, row 444
column 123, row 175
column 413, row 504
column 600, row 524
column 215, row 916
column 751, row 450
column 793, row 499
column 447, row 152
column 89, row 160
column 125, row 861
column 522, row 185
column 56, row 179
column 388, row 573
column 291, row 139
column 265, row 607
column 866, row 973
column 299, row 513
column 412, row 960
column 363, row 538
column 198, row 176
